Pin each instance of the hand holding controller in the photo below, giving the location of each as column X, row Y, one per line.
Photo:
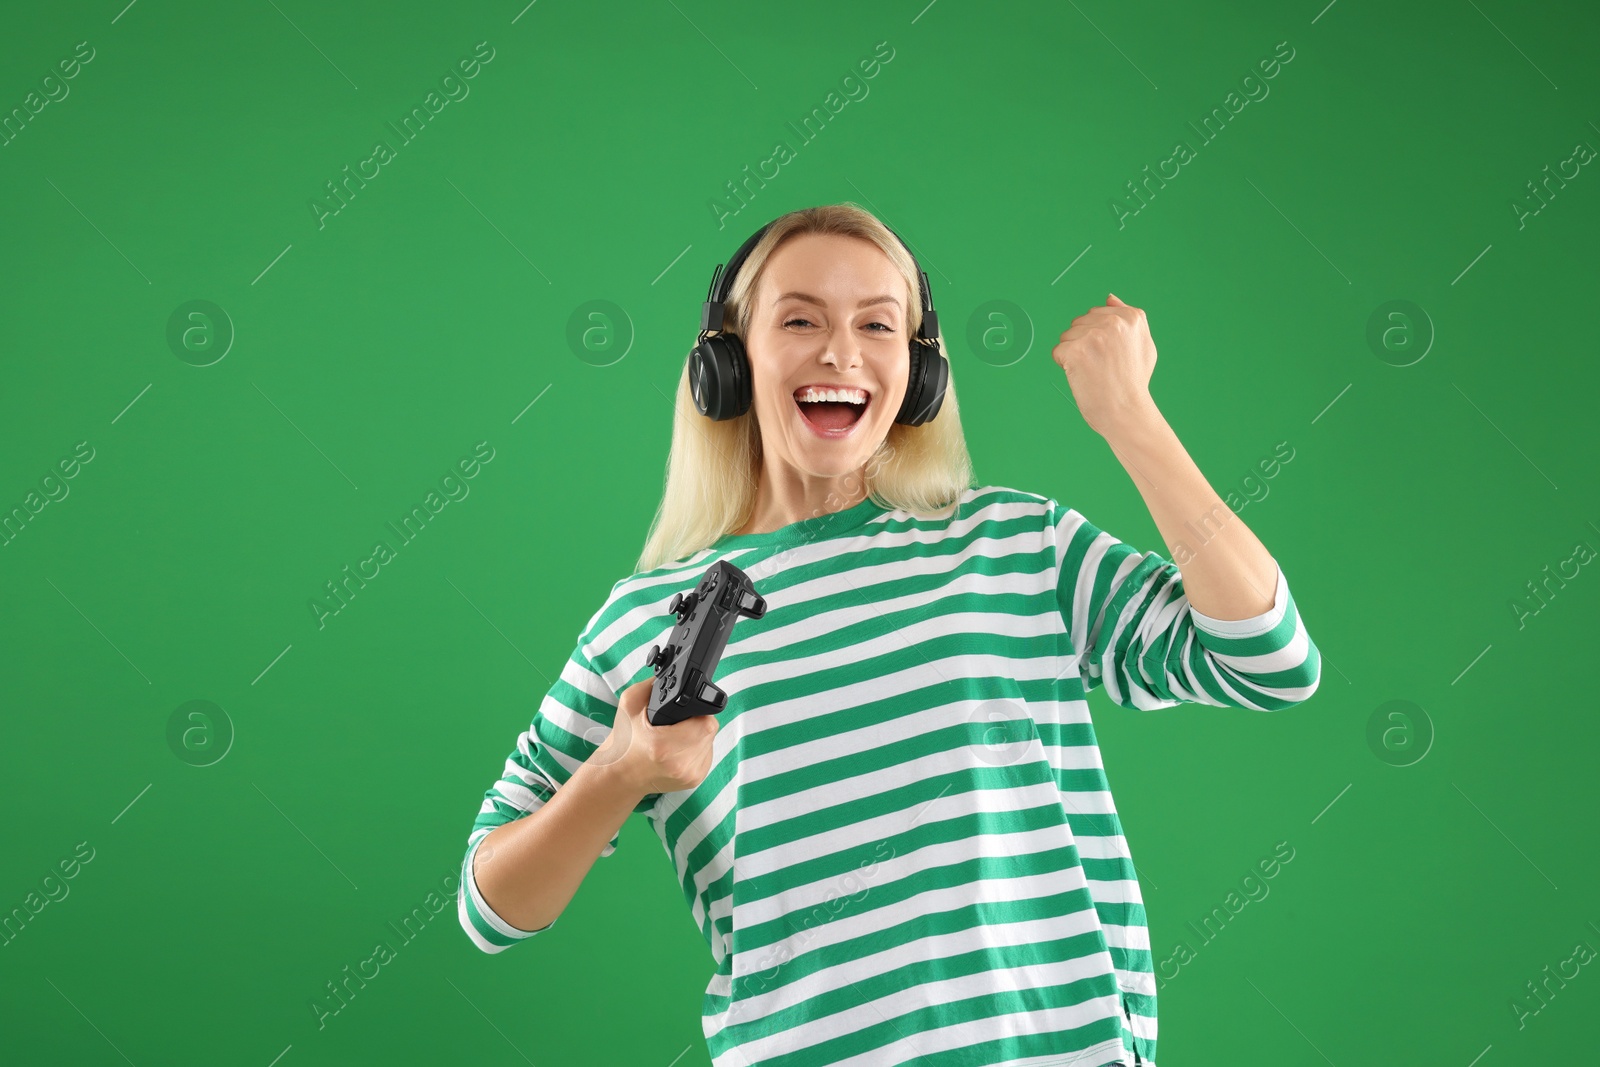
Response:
column 685, row 667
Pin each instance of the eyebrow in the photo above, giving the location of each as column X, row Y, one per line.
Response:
column 808, row 298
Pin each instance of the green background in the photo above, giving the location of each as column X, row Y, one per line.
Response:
column 1437, row 869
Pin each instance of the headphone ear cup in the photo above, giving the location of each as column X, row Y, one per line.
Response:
column 719, row 377
column 925, row 385
column 937, row 377
column 908, row 403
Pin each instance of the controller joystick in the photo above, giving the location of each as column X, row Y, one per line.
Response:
column 684, row 667
column 682, row 606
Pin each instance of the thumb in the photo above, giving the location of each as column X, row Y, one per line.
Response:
column 1113, row 301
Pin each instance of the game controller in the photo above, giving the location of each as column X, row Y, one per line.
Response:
column 684, row 668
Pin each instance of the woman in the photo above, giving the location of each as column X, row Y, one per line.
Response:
column 897, row 837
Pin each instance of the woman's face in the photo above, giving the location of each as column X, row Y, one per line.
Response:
column 830, row 314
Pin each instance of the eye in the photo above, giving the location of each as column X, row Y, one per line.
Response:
column 886, row 328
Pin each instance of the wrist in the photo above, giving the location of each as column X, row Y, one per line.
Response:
column 614, row 773
column 1136, row 422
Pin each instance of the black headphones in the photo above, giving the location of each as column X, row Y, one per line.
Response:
column 719, row 368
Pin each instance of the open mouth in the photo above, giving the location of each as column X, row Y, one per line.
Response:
column 832, row 412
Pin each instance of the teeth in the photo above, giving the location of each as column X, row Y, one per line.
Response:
column 811, row 394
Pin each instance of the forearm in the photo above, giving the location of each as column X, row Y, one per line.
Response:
column 528, row 870
column 1227, row 572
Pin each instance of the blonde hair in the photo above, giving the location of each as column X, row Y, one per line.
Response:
column 713, row 466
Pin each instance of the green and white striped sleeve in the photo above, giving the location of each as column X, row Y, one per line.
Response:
column 1129, row 619
column 575, row 716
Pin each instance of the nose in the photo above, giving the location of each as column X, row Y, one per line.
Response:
column 843, row 350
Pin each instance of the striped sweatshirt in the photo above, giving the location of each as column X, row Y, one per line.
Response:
column 906, row 849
